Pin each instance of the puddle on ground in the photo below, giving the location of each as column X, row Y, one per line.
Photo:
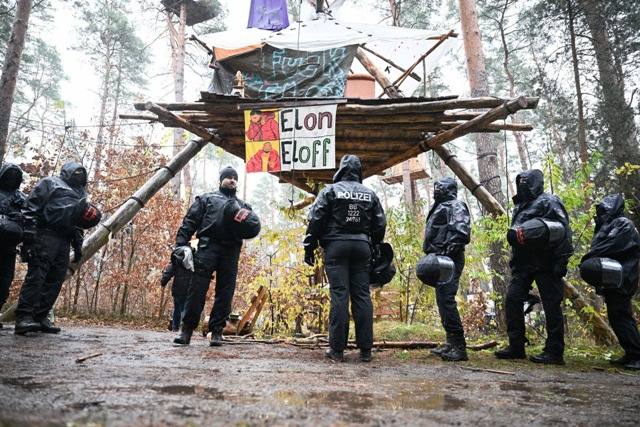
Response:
column 184, row 390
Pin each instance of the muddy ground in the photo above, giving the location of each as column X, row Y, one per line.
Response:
column 141, row 379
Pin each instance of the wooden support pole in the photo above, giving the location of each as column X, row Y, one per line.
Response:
column 389, row 89
column 136, row 202
column 390, row 62
column 599, row 327
column 498, row 113
column 403, row 77
column 477, row 190
column 168, row 116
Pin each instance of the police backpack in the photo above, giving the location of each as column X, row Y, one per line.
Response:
column 382, row 268
column 536, row 233
column 435, row 269
column 602, row 273
column 10, row 232
column 242, row 223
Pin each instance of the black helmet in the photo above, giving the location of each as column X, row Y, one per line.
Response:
column 243, row 223
column 536, row 233
column 433, row 269
column 383, row 269
column 182, row 257
column 601, row 273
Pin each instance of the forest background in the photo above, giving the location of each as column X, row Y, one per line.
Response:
column 579, row 56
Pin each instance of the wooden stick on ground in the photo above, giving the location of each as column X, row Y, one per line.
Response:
column 493, row 371
column 82, row 359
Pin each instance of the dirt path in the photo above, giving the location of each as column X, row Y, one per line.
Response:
column 142, row 380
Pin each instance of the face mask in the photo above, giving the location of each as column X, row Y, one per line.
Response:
column 11, row 180
column 437, row 193
column 77, row 179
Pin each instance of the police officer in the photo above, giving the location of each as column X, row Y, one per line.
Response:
column 218, row 252
column 347, row 219
column 616, row 237
column 50, row 232
column 11, row 199
column 179, row 287
column 447, row 231
column 546, row 266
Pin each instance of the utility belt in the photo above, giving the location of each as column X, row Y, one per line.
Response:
column 205, row 241
column 54, row 233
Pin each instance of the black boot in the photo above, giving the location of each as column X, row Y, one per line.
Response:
column 458, row 350
column 26, row 324
column 365, row 355
column 216, row 338
column 438, row 351
column 336, row 355
column 48, row 328
column 511, row 352
column 184, row 338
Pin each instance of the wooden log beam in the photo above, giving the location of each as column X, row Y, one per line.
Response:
column 145, row 117
column 168, row 116
column 100, row 236
column 429, row 107
column 390, row 62
column 388, row 88
column 601, row 331
column 477, row 190
column 404, row 75
column 498, row 113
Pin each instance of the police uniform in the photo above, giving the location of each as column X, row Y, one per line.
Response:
column 347, row 219
column 616, row 237
column 447, row 231
column 218, row 253
column 179, row 288
column 546, row 266
column 11, row 199
column 50, row 232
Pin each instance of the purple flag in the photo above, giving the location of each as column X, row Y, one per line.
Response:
column 268, row 15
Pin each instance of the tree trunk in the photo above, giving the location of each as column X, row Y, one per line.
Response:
column 11, row 68
column 522, row 152
column 488, row 167
column 103, row 105
column 582, row 133
column 617, row 113
column 177, row 39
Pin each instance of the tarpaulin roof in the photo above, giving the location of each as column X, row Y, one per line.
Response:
column 316, row 35
column 403, row 46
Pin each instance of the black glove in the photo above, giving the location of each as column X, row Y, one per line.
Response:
column 309, row 257
column 77, row 250
column 26, row 253
column 453, row 249
column 29, row 236
column 559, row 270
column 163, row 283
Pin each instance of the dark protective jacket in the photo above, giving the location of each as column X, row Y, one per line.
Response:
column 346, row 209
column 448, row 227
column 11, row 198
column 617, row 238
column 181, row 279
column 532, row 202
column 53, row 203
column 205, row 218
